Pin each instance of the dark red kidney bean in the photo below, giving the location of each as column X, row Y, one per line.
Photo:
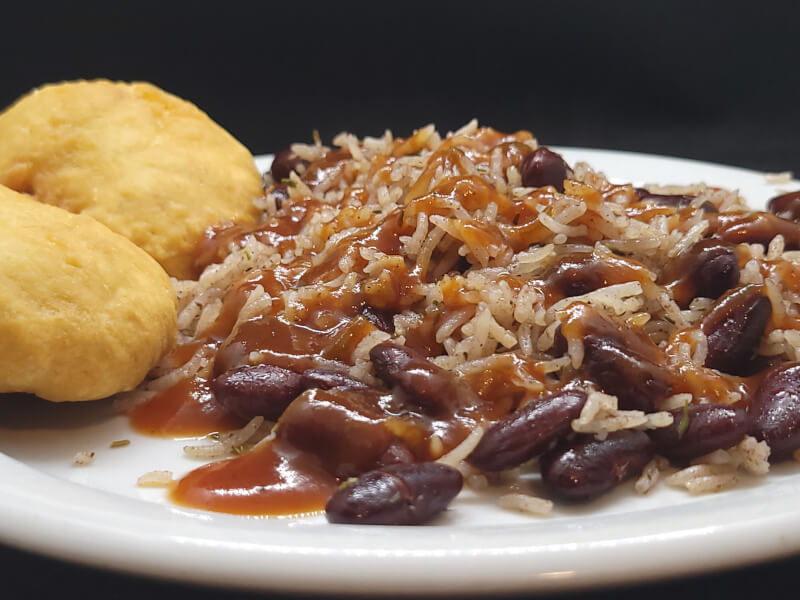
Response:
column 637, row 382
column 760, row 364
column 390, row 360
column 382, row 319
column 326, row 379
column 401, row 494
column 284, row 163
column 708, row 269
column 708, row 427
column 585, row 468
column 786, row 206
column 559, row 347
column 734, row 327
column 577, row 274
column 396, row 453
column 754, row 228
column 717, row 274
column 344, row 428
column 257, row 390
column 775, row 410
column 425, row 385
column 708, row 207
column 544, row 167
column 528, row 432
column 676, row 200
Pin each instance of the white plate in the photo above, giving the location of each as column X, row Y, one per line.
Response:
column 96, row 514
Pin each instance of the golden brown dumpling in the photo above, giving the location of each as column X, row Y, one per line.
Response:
column 84, row 313
column 148, row 165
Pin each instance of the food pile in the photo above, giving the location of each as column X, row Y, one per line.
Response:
column 392, row 317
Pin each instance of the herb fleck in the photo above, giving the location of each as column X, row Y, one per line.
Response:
column 119, row 443
column 683, row 425
column 350, row 481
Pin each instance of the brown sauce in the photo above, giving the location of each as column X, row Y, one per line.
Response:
column 277, row 232
column 273, row 479
column 187, row 409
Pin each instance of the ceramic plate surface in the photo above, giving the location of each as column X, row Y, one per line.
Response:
column 97, row 515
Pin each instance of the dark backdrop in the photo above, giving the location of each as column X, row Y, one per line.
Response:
column 709, row 80
column 716, row 81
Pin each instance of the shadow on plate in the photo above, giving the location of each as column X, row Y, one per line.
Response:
column 25, row 411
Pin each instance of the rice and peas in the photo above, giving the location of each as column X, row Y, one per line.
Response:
column 441, row 238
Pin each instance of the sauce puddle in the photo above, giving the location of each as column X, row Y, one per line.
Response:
column 273, row 479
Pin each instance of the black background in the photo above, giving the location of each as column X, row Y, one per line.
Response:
column 716, row 81
column 709, row 80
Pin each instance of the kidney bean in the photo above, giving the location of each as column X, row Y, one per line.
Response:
column 734, row 327
column 754, row 228
column 578, row 274
column 382, row 319
column 284, row 163
column 344, row 428
column 716, row 274
column 775, row 410
column 397, row 452
column 559, row 347
column 326, row 379
column 786, row 206
column 637, row 382
column 401, row 494
column 544, row 167
column 708, row 269
column 389, row 361
column 675, row 200
column 528, row 432
column 257, row 390
column 585, row 468
column 424, row 384
column 708, row 427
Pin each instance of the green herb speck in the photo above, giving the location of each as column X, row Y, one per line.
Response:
column 683, row 425
column 347, row 483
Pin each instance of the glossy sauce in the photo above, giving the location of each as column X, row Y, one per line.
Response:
column 187, row 409
column 273, row 479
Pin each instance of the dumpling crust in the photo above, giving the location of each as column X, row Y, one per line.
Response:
column 84, row 313
column 148, row 165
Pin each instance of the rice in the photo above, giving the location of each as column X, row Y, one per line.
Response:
column 155, row 479
column 437, row 244
column 540, row 507
column 83, row 458
column 650, row 475
column 232, row 442
column 704, row 479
